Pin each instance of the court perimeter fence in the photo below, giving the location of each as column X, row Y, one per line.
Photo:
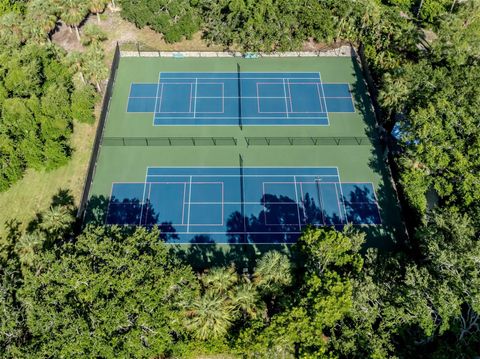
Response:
column 231, row 141
column 139, row 49
column 99, row 134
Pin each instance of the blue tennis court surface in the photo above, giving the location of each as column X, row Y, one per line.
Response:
column 246, row 98
column 241, row 205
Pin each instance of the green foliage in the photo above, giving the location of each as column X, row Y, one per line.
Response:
column 93, row 34
column 15, row 6
column 323, row 298
column 37, row 103
column 267, row 25
column 114, row 292
column 84, row 99
column 94, row 67
column 174, row 19
column 123, row 287
column 431, row 10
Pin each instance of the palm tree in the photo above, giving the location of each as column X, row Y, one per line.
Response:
column 245, row 298
column 273, row 272
column 40, row 19
column 75, row 60
column 94, row 67
column 26, row 247
column 209, row 316
column 219, row 280
column 73, row 12
column 56, row 221
column 96, row 7
column 93, row 34
column 394, row 93
column 11, row 29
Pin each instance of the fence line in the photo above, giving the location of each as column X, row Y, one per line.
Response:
column 308, row 141
column 99, row 134
column 137, row 49
column 169, row 141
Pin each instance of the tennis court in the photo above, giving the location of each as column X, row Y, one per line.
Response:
column 214, row 154
column 242, row 205
column 240, row 98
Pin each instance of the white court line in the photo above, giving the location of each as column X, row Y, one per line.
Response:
column 253, row 176
column 351, row 98
column 223, row 97
column 170, row 118
column 296, row 200
column 156, row 99
column 323, row 92
column 223, row 206
column 249, row 167
column 149, row 194
column 320, row 98
column 235, row 78
column 183, row 202
column 258, row 98
column 249, row 203
column 320, row 199
column 190, row 105
column 338, row 205
column 285, row 93
column 195, row 102
column 189, row 199
column 109, row 203
column 343, row 196
column 238, row 97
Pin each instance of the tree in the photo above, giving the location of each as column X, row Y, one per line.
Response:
column 92, row 34
column 324, row 298
column 96, row 7
column 174, row 19
column 94, row 67
column 57, row 222
column 76, row 61
column 210, row 316
column 73, row 12
column 273, row 273
column 123, row 287
column 84, row 99
column 40, row 19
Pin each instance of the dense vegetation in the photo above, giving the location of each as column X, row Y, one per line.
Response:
column 110, row 292
column 43, row 90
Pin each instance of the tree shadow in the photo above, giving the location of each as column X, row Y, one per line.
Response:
column 392, row 233
column 63, row 198
column 274, row 223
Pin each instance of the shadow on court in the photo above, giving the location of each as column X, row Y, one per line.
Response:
column 392, row 233
column 247, row 236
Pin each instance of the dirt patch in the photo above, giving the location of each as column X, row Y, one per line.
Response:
column 64, row 36
column 124, row 31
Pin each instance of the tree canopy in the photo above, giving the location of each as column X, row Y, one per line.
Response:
column 112, row 292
